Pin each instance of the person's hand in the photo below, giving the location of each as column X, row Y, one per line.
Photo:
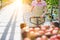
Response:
column 42, row 16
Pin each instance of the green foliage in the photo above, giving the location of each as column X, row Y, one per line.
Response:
column 52, row 2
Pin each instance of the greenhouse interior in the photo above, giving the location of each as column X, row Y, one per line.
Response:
column 29, row 20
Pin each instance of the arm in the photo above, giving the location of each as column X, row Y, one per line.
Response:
column 45, row 10
column 32, row 8
column 32, row 5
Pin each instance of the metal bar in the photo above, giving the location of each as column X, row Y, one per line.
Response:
column 59, row 13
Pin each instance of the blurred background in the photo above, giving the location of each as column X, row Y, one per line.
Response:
column 52, row 6
column 12, row 14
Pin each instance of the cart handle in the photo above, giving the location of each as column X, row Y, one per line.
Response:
column 37, row 23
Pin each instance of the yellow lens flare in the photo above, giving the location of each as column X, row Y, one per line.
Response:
column 18, row 2
column 27, row 1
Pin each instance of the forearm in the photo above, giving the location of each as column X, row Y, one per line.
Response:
column 32, row 8
column 45, row 11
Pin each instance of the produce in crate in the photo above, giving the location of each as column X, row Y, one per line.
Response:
column 27, row 38
column 44, row 37
column 38, row 38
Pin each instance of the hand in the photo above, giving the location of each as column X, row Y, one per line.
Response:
column 42, row 16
